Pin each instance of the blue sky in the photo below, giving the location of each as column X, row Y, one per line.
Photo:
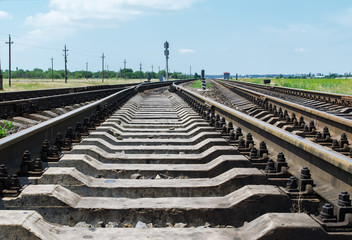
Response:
column 239, row 36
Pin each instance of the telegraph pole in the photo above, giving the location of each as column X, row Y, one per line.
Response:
column 86, row 66
column 65, row 55
column 190, row 70
column 9, row 43
column 124, row 69
column 152, row 68
column 140, row 69
column 1, row 83
column 166, row 53
column 102, row 68
column 52, row 69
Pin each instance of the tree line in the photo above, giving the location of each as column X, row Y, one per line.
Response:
column 127, row 73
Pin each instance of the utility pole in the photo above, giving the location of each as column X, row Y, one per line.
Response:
column 65, row 55
column 86, row 66
column 9, row 43
column 52, row 69
column 1, row 83
column 102, row 67
column 140, row 69
column 152, row 68
column 190, row 70
column 124, row 69
column 159, row 68
column 166, row 53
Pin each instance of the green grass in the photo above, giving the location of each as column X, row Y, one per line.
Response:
column 198, row 84
column 6, row 129
column 34, row 84
column 342, row 86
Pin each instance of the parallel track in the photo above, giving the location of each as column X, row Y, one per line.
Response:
column 320, row 126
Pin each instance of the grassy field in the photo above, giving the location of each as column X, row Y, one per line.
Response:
column 33, row 84
column 198, row 84
column 343, row 86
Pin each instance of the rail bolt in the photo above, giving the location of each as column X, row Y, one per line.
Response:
column 45, row 152
column 344, row 199
column 15, row 182
column 230, row 126
column 241, row 143
column 318, row 136
column 335, row 144
column 238, row 133
column 326, row 133
column 270, row 166
column 301, row 121
column 38, row 165
column 305, row 173
column 281, row 162
column 59, row 142
column 253, row 153
column 281, row 157
column 223, row 121
column 69, row 133
column 311, row 127
column 327, row 211
column 262, row 149
column 249, row 140
column 3, row 170
column 224, row 130
column 292, row 183
column 344, row 140
column 217, row 124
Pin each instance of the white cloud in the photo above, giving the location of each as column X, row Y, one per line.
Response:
column 5, row 15
column 185, row 50
column 93, row 13
column 300, row 50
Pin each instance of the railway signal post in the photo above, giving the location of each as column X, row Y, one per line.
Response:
column 166, row 53
column 203, row 79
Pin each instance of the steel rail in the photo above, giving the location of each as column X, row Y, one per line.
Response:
column 17, row 95
column 331, row 171
column 334, row 98
column 31, row 105
column 337, row 125
column 13, row 146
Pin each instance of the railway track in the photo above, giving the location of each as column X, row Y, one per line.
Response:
column 304, row 118
column 28, row 108
column 168, row 164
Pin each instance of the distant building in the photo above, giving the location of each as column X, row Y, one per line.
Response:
column 226, row 75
